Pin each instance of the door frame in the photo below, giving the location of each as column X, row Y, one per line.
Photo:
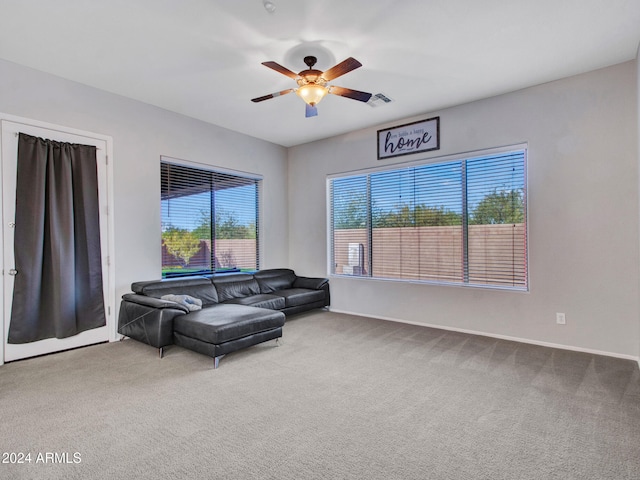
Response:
column 110, row 301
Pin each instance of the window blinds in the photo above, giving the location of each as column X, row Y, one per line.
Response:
column 497, row 234
column 461, row 222
column 209, row 221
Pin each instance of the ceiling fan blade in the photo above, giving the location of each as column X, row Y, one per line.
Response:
column 340, row 69
column 349, row 93
column 279, row 68
column 272, row 95
column 310, row 111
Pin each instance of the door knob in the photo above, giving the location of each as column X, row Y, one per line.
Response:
column 13, row 272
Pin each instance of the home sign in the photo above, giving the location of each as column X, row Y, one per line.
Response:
column 416, row 137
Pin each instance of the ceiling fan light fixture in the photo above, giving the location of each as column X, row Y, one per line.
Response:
column 312, row 93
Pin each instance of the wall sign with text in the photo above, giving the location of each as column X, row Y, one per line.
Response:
column 410, row 138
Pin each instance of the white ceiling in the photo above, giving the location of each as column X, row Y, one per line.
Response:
column 202, row 58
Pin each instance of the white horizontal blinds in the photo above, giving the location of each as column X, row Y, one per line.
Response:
column 236, row 214
column 461, row 221
column 497, row 234
column 350, row 225
column 186, row 219
column 392, row 244
column 417, row 223
column 209, row 220
column 438, row 213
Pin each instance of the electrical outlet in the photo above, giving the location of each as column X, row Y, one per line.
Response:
column 561, row 319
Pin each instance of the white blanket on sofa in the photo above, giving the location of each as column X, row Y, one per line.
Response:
column 188, row 301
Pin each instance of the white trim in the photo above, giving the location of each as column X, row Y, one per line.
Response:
column 211, row 168
column 464, row 156
column 328, row 230
column 112, row 312
column 438, row 283
column 54, row 127
column 110, row 301
column 498, row 336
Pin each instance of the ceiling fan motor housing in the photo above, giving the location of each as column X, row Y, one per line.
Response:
column 311, row 77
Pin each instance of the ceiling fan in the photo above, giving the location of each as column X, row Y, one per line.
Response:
column 312, row 84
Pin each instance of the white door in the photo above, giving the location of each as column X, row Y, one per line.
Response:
column 9, row 157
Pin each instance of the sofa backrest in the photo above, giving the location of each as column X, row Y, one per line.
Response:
column 235, row 286
column 275, row 279
column 198, row 287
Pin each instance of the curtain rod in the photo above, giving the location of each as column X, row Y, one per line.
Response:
column 15, row 134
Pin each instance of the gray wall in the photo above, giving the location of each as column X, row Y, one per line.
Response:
column 582, row 134
column 584, row 218
column 141, row 134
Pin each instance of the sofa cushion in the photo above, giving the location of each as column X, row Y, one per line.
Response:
column 275, row 279
column 273, row 302
column 313, row 283
column 223, row 323
column 294, row 297
column 235, row 286
column 198, row 287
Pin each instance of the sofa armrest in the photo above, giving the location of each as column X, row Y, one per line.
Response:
column 311, row 283
column 153, row 302
column 148, row 319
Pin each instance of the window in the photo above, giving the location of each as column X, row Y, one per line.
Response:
column 458, row 222
column 209, row 220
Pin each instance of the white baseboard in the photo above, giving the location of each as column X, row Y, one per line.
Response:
column 494, row 335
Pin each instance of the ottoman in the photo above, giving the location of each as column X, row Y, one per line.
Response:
column 221, row 329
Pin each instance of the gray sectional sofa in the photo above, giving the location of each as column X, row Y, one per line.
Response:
column 238, row 310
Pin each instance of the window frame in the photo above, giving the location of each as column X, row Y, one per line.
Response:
column 457, row 157
column 214, row 169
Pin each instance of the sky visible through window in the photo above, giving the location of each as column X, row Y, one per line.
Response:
column 436, row 186
column 432, row 186
column 237, row 200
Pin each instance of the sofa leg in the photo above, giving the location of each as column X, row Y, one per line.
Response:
column 278, row 343
column 216, row 360
column 161, row 352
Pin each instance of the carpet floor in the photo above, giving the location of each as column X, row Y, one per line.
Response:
column 343, row 397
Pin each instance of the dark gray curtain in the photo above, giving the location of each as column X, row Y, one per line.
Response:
column 58, row 287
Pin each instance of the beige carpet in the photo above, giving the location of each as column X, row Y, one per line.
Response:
column 343, row 398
